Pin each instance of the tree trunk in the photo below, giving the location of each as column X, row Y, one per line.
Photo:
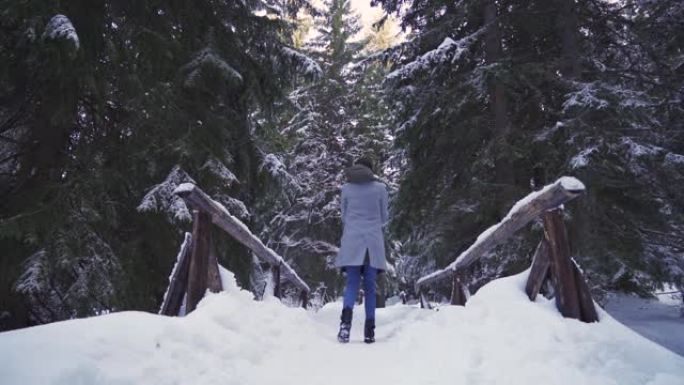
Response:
column 498, row 106
column 567, row 24
column 493, row 53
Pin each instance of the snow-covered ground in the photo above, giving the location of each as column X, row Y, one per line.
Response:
column 657, row 320
column 500, row 337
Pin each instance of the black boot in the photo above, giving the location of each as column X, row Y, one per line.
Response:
column 345, row 325
column 369, row 331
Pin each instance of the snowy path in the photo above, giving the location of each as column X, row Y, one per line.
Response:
column 499, row 338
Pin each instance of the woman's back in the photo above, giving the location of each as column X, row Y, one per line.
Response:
column 363, row 206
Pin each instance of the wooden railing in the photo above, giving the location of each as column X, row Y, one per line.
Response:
column 551, row 260
column 197, row 270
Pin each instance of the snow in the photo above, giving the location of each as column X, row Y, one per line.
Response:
column 567, row 182
column 60, row 27
column 228, row 280
column 582, row 159
column 219, row 170
column 208, row 58
column 273, row 164
column 304, row 63
column 275, row 167
column 234, row 205
column 162, row 197
column 638, row 150
column 33, row 278
column 448, row 51
column 674, row 159
column 571, row 184
column 586, row 96
column 499, row 337
column 184, row 188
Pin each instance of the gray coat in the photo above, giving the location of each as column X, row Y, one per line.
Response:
column 364, row 214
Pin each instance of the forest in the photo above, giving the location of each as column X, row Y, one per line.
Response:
column 464, row 107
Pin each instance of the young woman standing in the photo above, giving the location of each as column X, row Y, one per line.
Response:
column 363, row 207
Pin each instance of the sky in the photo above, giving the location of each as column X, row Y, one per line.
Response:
column 368, row 14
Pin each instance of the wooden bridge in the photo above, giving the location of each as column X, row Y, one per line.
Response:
column 197, row 270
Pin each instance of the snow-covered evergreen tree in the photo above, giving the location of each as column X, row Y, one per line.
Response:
column 329, row 124
column 492, row 94
column 104, row 107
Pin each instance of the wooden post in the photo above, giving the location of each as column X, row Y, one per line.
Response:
column 424, row 303
column 213, row 277
column 178, row 282
column 586, row 302
column 539, row 271
column 458, row 295
column 197, row 278
column 304, row 297
column 567, row 299
column 275, row 275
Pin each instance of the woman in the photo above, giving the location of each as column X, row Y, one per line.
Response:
column 362, row 252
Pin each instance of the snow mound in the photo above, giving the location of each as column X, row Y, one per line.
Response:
column 500, row 337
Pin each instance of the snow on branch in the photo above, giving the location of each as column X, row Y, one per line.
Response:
column 60, row 28
column 207, row 58
column 275, row 167
column 34, row 276
column 161, row 198
column 586, row 96
column 449, row 51
column 582, row 159
column 301, row 62
column 219, row 170
column 598, row 95
column 234, row 205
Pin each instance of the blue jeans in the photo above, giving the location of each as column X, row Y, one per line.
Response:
column 351, row 290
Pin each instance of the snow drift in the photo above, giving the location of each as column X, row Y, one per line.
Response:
column 500, row 337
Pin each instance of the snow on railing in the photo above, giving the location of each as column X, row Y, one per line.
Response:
column 209, row 210
column 575, row 299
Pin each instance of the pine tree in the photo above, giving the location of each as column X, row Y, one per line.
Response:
column 491, row 94
column 330, row 123
column 106, row 103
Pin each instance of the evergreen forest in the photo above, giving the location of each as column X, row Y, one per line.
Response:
column 463, row 106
